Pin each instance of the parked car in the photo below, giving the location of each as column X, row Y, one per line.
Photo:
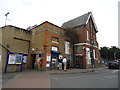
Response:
column 114, row 64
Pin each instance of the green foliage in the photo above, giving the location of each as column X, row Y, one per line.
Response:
column 112, row 53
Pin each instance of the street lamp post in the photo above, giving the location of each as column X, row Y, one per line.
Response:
column 6, row 17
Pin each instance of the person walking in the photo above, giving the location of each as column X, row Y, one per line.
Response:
column 60, row 63
column 65, row 63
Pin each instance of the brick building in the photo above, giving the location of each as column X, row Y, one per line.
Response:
column 48, row 42
column 15, row 42
column 22, row 48
column 87, row 45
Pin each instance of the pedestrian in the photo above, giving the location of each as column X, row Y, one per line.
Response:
column 65, row 63
column 68, row 64
column 41, row 62
column 60, row 63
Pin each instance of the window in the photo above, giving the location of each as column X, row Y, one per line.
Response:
column 55, row 40
column 87, row 35
column 67, row 47
column 54, row 48
column 88, row 56
column 94, row 53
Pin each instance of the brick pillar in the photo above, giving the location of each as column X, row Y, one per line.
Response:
column 45, row 48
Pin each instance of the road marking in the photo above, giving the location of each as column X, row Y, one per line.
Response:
column 17, row 76
column 70, row 77
column 111, row 76
column 115, row 71
column 55, row 78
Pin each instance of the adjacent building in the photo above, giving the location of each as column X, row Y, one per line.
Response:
column 14, row 47
column 20, row 49
column 87, row 46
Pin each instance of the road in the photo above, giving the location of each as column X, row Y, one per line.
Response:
column 103, row 78
column 98, row 79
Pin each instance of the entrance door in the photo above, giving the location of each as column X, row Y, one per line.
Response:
column 54, row 62
column 54, row 59
column 79, row 62
column 33, row 60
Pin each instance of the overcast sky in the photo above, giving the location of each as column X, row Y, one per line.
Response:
column 24, row 13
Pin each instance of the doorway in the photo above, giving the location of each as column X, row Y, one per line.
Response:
column 79, row 62
column 54, row 59
column 33, row 56
column 54, row 62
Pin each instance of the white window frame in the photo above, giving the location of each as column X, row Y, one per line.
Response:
column 54, row 48
column 88, row 35
column 67, row 47
column 94, row 54
column 88, row 56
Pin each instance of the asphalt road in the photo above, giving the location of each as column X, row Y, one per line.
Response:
column 98, row 79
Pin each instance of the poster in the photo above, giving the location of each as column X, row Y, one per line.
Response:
column 18, row 59
column 48, row 58
column 11, row 59
column 24, row 59
column 47, row 65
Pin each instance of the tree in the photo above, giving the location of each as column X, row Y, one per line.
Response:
column 104, row 52
column 112, row 53
column 73, row 36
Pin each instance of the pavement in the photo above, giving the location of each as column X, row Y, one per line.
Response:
column 34, row 78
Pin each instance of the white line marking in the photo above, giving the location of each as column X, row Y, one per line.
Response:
column 115, row 71
column 17, row 76
column 55, row 78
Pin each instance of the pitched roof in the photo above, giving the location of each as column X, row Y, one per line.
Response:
column 49, row 23
column 79, row 21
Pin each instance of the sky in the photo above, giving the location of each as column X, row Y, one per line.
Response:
column 25, row 13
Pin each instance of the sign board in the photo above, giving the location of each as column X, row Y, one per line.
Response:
column 47, row 65
column 12, row 59
column 60, row 56
column 18, row 59
column 48, row 58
